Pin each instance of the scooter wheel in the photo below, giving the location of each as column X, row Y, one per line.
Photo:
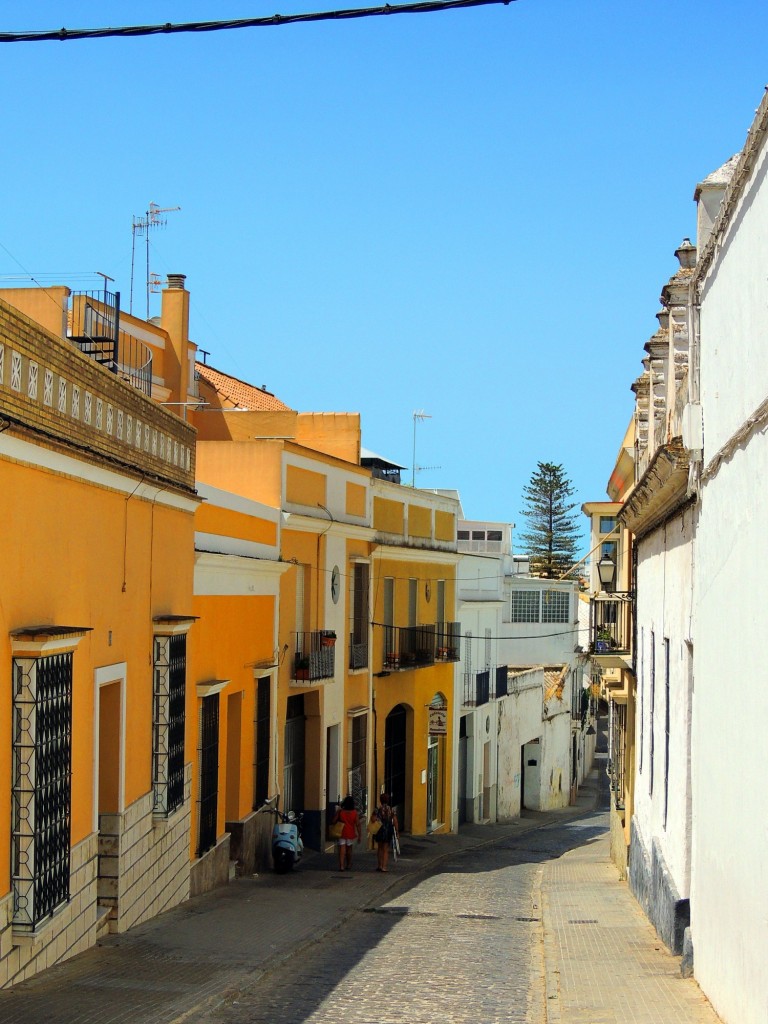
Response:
column 283, row 861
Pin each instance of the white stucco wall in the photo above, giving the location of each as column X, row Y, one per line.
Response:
column 664, row 582
column 729, row 897
column 539, row 643
column 519, row 721
column 555, row 774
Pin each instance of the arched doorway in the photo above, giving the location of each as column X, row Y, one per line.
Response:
column 395, row 751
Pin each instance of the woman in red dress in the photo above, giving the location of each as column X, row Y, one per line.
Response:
column 350, row 819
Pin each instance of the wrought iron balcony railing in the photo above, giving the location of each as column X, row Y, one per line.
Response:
column 448, row 636
column 358, row 652
column 94, row 326
column 477, row 687
column 315, row 657
column 610, row 625
column 502, row 681
column 409, row 647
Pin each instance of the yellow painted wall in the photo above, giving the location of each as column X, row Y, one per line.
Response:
column 388, row 516
column 305, row 487
column 335, row 433
column 253, row 425
column 419, row 521
column 228, row 523
column 355, row 502
column 89, row 557
column 44, row 306
column 248, row 468
column 414, row 688
column 445, row 526
column 231, row 636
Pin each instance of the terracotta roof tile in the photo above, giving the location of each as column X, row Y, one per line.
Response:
column 237, row 392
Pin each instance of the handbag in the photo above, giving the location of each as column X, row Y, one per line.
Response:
column 373, row 827
column 335, row 829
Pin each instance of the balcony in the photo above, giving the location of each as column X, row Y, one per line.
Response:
column 502, row 681
column 94, row 326
column 610, row 628
column 315, row 657
column 410, row 647
column 448, row 635
column 477, row 687
column 358, row 652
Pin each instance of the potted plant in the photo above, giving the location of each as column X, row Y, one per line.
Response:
column 604, row 641
column 328, row 638
column 301, row 671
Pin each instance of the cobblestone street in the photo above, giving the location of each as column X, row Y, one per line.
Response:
column 463, row 944
column 525, row 922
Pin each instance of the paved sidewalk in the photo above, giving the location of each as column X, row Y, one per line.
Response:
column 604, row 962
column 178, row 966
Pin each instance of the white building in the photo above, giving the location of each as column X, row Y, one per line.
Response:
column 729, row 898
column 522, row 739
column 660, row 514
column 697, row 511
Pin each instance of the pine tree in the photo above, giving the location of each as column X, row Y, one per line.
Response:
column 554, row 533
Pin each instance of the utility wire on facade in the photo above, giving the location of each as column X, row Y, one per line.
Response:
column 65, row 34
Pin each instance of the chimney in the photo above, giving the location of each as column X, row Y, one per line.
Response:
column 174, row 319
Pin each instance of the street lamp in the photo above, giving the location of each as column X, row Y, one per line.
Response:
column 606, row 570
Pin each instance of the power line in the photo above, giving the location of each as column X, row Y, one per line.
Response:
column 63, row 35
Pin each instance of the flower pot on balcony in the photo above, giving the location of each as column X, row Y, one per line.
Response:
column 328, row 639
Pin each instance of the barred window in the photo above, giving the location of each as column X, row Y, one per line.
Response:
column 41, row 792
column 358, row 760
column 555, row 605
column 168, row 727
column 524, row 606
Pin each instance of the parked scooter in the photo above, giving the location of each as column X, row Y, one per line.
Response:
column 287, row 846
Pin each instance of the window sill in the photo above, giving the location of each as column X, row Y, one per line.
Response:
column 26, row 938
column 162, row 822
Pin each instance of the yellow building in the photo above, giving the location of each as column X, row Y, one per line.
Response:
column 347, row 538
column 209, row 599
column 95, row 606
column 612, row 620
column 415, row 652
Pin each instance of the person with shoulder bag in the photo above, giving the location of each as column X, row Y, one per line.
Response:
column 349, row 819
column 385, row 817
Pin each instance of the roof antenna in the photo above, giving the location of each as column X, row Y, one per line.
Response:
column 141, row 226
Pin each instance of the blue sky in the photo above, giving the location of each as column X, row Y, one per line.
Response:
column 469, row 213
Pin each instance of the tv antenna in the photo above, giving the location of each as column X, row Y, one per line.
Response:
column 418, row 417
column 141, row 226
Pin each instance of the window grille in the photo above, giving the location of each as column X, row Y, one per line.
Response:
column 524, row 606
column 209, row 772
column 357, row 763
column 41, row 792
column 169, row 706
column 618, row 748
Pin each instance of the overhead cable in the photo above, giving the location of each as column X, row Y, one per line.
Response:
column 65, row 34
